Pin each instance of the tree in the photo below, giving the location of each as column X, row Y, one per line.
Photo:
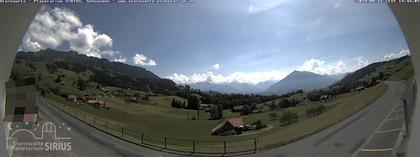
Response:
column 216, row 112
column 288, row 117
column 81, row 84
column 193, row 102
column 381, row 76
column 273, row 115
column 246, row 110
column 146, row 97
column 314, row 111
column 39, row 76
column 58, row 79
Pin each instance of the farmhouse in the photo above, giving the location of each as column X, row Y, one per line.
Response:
column 96, row 103
column 360, row 88
column 237, row 108
column 205, row 107
column 72, row 98
column 228, row 126
column 324, row 98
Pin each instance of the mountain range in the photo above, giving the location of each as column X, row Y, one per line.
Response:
column 294, row 81
column 232, row 87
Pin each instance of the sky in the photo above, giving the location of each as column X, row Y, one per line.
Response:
column 248, row 41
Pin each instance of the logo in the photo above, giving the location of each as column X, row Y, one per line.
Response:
column 29, row 137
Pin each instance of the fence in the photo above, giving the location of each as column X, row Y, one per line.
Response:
column 160, row 142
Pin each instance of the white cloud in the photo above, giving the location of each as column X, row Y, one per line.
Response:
column 250, row 77
column 121, row 59
column 397, row 55
column 216, row 67
column 52, row 27
column 339, row 67
column 140, row 59
column 263, row 5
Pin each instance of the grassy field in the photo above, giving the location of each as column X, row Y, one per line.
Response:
column 163, row 120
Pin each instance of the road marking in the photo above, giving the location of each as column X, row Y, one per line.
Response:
column 371, row 136
column 397, row 110
column 390, row 130
column 377, row 150
column 395, row 118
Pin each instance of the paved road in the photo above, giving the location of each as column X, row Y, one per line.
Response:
column 347, row 137
column 341, row 140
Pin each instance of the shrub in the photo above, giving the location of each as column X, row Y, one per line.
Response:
column 314, row 111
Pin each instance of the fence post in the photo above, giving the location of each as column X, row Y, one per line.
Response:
column 406, row 117
column 106, row 126
column 193, row 146
column 94, row 122
column 122, row 132
column 255, row 144
column 165, row 142
column 224, row 147
column 142, row 138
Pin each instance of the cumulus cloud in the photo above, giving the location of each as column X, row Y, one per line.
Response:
column 397, row 55
column 121, row 59
column 52, row 27
column 339, row 67
column 141, row 59
column 242, row 77
column 216, row 67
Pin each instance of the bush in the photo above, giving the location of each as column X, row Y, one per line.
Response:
column 288, row 117
column 259, row 125
column 314, row 111
column 273, row 115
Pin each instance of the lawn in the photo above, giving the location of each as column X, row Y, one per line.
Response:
column 162, row 120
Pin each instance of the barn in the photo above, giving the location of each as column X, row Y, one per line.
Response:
column 228, row 126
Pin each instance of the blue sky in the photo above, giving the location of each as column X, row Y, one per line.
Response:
column 224, row 41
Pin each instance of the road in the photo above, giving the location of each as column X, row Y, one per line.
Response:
column 344, row 139
column 352, row 135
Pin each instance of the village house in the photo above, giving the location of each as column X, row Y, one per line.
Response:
column 228, row 127
column 237, row 108
column 205, row 107
column 360, row 88
column 72, row 98
column 324, row 98
column 96, row 103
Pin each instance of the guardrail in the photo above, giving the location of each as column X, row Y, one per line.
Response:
column 161, row 142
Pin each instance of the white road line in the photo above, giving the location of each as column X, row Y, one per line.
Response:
column 389, row 130
column 377, row 150
column 396, row 118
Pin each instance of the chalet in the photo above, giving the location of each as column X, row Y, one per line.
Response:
column 96, row 103
column 256, row 111
column 205, row 107
column 237, row 108
column 360, row 88
column 72, row 98
column 227, row 126
column 324, row 98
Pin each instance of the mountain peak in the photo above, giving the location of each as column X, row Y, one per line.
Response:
column 297, row 80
